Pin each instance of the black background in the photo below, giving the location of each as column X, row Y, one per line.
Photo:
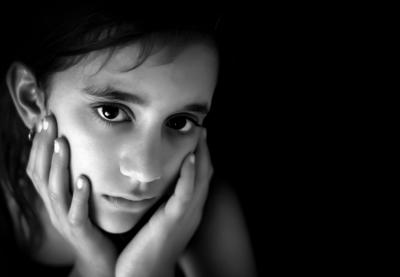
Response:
column 273, row 134
column 239, row 121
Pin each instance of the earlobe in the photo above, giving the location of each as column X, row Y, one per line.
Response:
column 28, row 98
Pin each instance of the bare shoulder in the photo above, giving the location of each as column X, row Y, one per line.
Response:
column 221, row 245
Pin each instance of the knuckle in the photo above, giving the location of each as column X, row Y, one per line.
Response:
column 53, row 196
column 75, row 222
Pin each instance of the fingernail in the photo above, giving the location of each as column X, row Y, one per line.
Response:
column 192, row 158
column 80, row 183
column 45, row 124
column 56, row 147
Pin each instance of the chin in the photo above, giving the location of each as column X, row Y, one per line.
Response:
column 116, row 224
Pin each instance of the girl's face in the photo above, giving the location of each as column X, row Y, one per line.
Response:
column 129, row 130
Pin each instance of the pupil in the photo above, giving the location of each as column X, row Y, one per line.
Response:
column 110, row 112
column 178, row 123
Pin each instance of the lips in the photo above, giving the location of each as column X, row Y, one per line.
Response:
column 122, row 203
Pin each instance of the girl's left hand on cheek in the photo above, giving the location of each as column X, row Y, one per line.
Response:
column 157, row 246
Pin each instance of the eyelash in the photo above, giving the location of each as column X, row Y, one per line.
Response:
column 122, row 108
column 101, row 119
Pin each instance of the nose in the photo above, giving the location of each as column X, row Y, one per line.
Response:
column 141, row 160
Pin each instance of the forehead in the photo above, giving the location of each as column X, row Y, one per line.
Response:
column 192, row 69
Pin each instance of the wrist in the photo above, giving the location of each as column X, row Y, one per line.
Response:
column 92, row 269
column 145, row 266
column 145, row 271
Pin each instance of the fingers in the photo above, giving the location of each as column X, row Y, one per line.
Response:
column 49, row 169
column 185, row 186
column 204, row 170
column 192, row 185
column 59, row 177
column 31, row 162
column 45, row 147
column 41, row 152
column 79, row 211
column 40, row 158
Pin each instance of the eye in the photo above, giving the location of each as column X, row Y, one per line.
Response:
column 112, row 113
column 182, row 124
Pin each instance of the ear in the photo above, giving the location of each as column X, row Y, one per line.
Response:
column 28, row 98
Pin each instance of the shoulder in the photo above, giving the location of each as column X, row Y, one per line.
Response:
column 221, row 245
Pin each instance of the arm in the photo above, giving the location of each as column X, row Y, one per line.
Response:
column 221, row 247
column 81, row 269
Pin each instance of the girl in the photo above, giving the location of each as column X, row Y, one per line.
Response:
column 114, row 176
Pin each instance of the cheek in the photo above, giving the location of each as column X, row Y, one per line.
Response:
column 91, row 154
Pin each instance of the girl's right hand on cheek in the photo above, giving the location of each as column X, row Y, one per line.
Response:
column 48, row 168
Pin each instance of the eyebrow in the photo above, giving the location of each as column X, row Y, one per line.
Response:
column 197, row 108
column 111, row 93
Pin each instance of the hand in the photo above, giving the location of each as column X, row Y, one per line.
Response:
column 50, row 174
column 157, row 246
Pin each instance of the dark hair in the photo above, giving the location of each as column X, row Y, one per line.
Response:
column 56, row 39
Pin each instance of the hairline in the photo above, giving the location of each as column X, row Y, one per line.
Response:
column 176, row 48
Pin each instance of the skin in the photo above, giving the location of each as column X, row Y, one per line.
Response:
column 140, row 158
column 137, row 158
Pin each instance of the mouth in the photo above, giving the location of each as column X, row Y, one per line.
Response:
column 121, row 203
